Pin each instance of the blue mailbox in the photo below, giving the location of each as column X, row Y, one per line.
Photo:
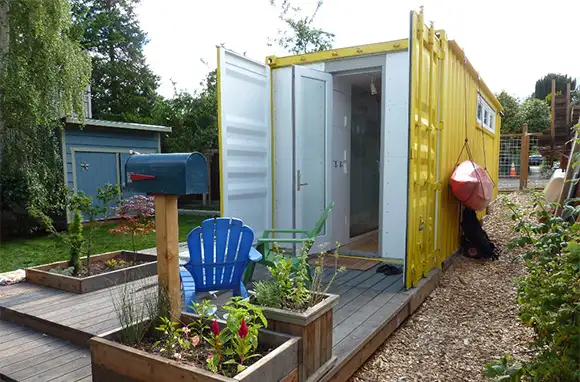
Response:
column 167, row 174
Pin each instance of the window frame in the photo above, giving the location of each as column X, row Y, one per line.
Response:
column 486, row 110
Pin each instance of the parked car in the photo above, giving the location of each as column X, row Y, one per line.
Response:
column 535, row 160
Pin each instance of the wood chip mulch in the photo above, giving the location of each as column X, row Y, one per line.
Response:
column 469, row 320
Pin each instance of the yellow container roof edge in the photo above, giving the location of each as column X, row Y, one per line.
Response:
column 335, row 54
column 453, row 46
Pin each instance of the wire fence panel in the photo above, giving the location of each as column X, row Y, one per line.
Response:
column 510, row 148
column 539, row 170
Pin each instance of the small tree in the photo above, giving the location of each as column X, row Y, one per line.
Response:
column 136, row 215
column 73, row 238
column 97, row 212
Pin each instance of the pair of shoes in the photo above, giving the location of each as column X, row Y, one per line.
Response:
column 389, row 269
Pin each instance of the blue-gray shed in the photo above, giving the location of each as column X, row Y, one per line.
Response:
column 95, row 154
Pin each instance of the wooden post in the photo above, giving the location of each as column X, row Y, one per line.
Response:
column 553, row 112
column 167, row 239
column 568, row 96
column 524, row 157
column 568, row 177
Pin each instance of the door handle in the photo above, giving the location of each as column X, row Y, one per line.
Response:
column 298, row 180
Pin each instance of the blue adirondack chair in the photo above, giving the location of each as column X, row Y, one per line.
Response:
column 219, row 252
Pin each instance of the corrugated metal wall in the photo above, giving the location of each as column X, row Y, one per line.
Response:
column 444, row 88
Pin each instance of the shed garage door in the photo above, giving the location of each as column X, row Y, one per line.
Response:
column 94, row 170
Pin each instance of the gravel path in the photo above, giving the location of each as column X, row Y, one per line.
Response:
column 470, row 319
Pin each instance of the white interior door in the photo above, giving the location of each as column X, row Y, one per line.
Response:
column 244, row 140
column 340, row 164
column 312, row 150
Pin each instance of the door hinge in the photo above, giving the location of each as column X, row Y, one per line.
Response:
column 439, row 125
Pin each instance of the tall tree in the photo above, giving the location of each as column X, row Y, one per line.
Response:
column 544, row 84
column 123, row 86
column 536, row 114
column 299, row 34
column 43, row 74
column 193, row 118
column 511, row 121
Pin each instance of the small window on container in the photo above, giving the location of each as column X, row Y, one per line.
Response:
column 492, row 121
column 486, row 118
column 479, row 109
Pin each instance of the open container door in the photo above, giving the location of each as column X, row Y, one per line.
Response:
column 312, row 149
column 244, row 91
column 425, row 124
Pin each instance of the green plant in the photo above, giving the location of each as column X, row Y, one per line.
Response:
column 73, row 239
column 113, row 264
column 218, row 341
column 294, row 286
column 244, row 343
column 97, row 212
column 80, row 204
column 205, row 311
column 139, row 307
column 505, row 369
column 175, row 338
column 69, row 271
column 548, row 295
column 238, row 342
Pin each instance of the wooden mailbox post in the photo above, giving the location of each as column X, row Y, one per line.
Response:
column 167, row 241
column 166, row 176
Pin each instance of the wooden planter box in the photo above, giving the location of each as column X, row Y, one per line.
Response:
column 42, row 275
column 112, row 361
column 314, row 326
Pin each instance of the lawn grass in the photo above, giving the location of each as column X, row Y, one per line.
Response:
column 25, row 253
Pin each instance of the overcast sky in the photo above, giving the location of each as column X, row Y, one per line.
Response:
column 509, row 41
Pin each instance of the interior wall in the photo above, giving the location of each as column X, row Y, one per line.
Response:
column 364, row 159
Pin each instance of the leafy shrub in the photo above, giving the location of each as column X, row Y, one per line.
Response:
column 294, row 287
column 549, row 297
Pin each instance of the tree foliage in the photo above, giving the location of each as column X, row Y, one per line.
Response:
column 299, row 34
column 193, row 118
column 43, row 77
column 544, row 84
column 533, row 112
column 123, row 87
column 536, row 114
column 510, row 122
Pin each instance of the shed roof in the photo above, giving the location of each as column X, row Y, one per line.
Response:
column 118, row 125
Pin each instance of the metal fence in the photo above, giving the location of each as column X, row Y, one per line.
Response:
column 520, row 163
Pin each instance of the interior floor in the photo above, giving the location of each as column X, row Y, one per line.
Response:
column 367, row 244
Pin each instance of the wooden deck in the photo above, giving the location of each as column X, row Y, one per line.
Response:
column 371, row 307
column 29, row 355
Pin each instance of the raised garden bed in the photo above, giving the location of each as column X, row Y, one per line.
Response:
column 112, row 361
column 314, row 327
column 144, row 266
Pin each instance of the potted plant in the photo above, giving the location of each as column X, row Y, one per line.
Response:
column 197, row 348
column 296, row 302
column 94, row 272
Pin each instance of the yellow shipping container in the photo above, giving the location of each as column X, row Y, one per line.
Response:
column 377, row 129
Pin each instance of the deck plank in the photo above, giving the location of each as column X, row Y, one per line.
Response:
column 75, row 375
column 360, row 315
column 55, row 368
column 24, row 361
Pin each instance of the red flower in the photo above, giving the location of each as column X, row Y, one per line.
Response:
column 215, row 328
column 243, row 332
